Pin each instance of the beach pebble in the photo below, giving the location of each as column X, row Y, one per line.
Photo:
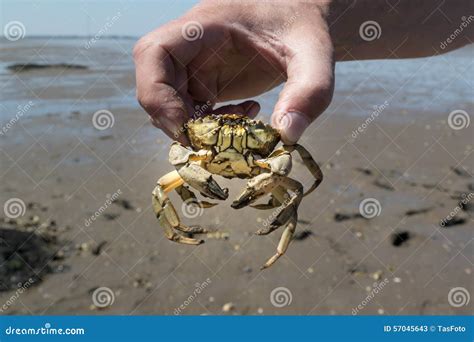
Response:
column 228, row 307
column 247, row 269
column 376, row 275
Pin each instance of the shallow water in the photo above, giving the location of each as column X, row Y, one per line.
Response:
column 412, row 87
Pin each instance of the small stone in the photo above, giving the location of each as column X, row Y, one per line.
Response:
column 247, row 269
column 260, row 311
column 211, row 299
column 397, row 280
column 380, row 311
column 227, row 307
column 359, row 234
column 376, row 275
column 468, row 271
column 310, row 270
column 83, row 246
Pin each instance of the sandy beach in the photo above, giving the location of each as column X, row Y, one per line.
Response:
column 87, row 220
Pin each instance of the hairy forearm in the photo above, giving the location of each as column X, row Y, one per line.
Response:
column 405, row 28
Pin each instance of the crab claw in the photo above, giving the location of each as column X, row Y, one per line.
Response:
column 256, row 188
column 202, row 180
column 244, row 199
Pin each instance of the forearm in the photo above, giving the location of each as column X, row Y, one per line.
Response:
column 408, row 28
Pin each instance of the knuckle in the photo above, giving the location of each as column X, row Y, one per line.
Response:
column 142, row 45
column 146, row 101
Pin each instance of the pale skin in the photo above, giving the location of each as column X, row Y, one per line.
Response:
column 249, row 47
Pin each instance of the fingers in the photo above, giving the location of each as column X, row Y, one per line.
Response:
column 309, row 88
column 160, row 59
column 248, row 108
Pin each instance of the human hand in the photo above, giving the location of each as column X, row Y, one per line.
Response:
column 228, row 50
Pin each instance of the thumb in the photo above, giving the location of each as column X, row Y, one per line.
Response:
column 308, row 90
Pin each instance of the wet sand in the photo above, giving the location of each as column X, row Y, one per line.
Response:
column 64, row 169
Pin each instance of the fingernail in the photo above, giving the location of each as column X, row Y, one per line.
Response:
column 253, row 110
column 291, row 126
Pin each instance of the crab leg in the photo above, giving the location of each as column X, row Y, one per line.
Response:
column 166, row 213
column 310, row 164
column 189, row 197
column 279, row 195
column 288, row 215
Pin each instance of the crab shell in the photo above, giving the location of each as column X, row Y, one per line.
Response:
column 232, row 131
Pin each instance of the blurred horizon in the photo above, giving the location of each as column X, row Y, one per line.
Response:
column 85, row 18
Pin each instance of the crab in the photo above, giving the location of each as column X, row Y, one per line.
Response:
column 232, row 145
